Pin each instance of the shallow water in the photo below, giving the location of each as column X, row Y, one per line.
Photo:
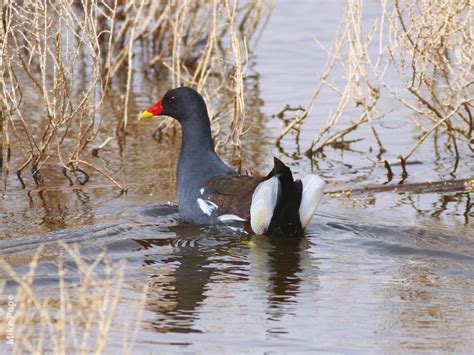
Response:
column 352, row 284
column 375, row 272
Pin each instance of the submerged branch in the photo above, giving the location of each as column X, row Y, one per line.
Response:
column 427, row 187
column 100, row 171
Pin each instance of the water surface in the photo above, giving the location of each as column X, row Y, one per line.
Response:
column 375, row 272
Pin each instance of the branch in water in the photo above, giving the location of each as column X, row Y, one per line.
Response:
column 417, row 188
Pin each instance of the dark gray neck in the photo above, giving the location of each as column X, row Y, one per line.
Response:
column 198, row 161
column 196, row 137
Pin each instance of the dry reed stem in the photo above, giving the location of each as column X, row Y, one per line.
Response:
column 216, row 64
column 79, row 318
column 427, row 44
column 68, row 54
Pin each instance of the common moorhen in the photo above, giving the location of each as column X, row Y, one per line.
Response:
column 210, row 192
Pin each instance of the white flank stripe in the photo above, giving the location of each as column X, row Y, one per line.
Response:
column 206, row 206
column 229, row 217
column 264, row 200
column 313, row 188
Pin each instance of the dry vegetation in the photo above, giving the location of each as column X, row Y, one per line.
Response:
column 67, row 66
column 429, row 47
column 68, row 69
column 74, row 316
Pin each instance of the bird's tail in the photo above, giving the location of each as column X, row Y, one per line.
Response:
column 282, row 206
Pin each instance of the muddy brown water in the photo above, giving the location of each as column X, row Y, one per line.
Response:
column 375, row 273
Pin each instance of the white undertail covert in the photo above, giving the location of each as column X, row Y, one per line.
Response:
column 313, row 189
column 264, row 200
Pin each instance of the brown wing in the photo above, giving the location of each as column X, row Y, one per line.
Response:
column 233, row 194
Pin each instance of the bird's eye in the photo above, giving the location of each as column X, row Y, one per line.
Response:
column 171, row 99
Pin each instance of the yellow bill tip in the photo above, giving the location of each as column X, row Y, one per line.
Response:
column 145, row 115
column 250, row 243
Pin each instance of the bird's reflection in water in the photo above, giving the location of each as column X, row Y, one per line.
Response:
column 281, row 266
column 178, row 280
column 198, row 258
column 285, row 265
